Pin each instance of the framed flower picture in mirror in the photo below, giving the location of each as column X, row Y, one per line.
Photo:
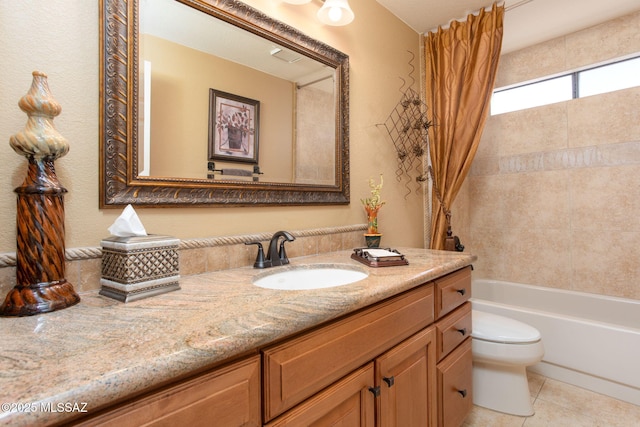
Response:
column 234, row 122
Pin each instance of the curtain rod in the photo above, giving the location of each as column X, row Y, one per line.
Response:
column 518, row 4
column 319, row 80
column 506, row 9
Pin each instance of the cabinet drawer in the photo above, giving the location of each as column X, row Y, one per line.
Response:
column 455, row 397
column 452, row 291
column 452, row 330
column 298, row 368
column 228, row 395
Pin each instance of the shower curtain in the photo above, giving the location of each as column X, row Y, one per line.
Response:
column 460, row 69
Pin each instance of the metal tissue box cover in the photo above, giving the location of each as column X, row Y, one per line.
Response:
column 139, row 266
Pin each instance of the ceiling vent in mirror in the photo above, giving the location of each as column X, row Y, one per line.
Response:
column 285, row 55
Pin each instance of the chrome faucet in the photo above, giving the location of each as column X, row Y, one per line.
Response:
column 275, row 255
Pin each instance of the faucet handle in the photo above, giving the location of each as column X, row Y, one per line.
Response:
column 282, row 254
column 260, row 261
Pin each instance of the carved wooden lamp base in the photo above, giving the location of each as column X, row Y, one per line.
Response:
column 40, row 255
column 39, row 298
column 41, row 286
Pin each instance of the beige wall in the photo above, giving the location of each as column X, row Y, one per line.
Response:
column 180, row 111
column 61, row 39
column 553, row 198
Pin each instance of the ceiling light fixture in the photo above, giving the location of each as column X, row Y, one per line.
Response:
column 332, row 12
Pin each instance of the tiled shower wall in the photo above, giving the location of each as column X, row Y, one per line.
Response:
column 199, row 256
column 315, row 163
column 553, row 197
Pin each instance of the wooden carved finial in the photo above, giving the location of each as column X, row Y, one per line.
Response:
column 40, row 262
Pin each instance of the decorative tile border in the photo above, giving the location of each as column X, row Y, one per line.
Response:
column 8, row 259
column 625, row 153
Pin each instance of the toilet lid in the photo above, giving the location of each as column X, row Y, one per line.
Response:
column 491, row 327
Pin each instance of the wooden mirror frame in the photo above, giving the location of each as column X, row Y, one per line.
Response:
column 119, row 183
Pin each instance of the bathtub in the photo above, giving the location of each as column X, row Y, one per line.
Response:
column 591, row 341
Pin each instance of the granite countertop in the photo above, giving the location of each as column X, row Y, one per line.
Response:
column 101, row 350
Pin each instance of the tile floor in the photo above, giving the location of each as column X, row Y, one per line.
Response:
column 558, row 404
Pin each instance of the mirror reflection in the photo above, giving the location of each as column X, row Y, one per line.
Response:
column 218, row 102
column 263, row 121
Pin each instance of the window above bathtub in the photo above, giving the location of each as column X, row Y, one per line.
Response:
column 594, row 80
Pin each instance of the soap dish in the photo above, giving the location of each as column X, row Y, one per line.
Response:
column 376, row 257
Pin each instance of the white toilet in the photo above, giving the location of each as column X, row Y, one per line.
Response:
column 502, row 349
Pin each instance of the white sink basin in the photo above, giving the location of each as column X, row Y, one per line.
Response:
column 309, row 277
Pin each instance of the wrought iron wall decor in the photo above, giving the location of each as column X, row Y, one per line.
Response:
column 407, row 126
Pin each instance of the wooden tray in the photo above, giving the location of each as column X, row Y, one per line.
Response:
column 362, row 255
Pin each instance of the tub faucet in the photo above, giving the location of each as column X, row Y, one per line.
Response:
column 275, row 255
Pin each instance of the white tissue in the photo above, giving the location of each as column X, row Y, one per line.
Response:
column 381, row 253
column 127, row 224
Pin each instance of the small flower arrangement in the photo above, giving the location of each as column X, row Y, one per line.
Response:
column 239, row 119
column 372, row 205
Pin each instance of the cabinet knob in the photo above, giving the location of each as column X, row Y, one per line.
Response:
column 463, row 331
column 461, row 291
column 463, row 393
column 375, row 391
column 388, row 380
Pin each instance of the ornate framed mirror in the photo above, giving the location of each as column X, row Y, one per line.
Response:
column 158, row 125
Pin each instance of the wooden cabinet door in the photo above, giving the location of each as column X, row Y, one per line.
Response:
column 298, row 368
column 228, row 396
column 406, row 375
column 348, row 403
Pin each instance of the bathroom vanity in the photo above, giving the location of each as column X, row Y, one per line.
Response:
column 391, row 349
